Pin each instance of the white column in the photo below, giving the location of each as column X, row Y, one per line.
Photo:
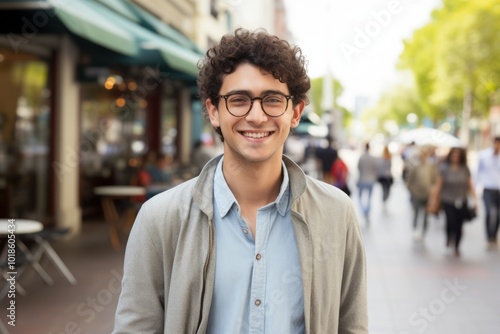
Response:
column 67, row 208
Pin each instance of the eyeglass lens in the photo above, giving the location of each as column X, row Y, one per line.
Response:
column 272, row 104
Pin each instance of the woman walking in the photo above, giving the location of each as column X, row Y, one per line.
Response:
column 454, row 186
column 384, row 173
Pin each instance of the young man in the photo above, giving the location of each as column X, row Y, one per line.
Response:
column 488, row 175
column 367, row 167
column 251, row 245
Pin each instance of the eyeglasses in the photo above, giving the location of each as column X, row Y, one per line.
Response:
column 240, row 104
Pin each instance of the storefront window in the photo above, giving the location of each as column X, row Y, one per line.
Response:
column 169, row 122
column 24, row 135
column 113, row 132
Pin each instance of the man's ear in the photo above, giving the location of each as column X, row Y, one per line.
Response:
column 213, row 113
column 297, row 113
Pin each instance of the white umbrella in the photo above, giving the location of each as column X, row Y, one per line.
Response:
column 430, row 136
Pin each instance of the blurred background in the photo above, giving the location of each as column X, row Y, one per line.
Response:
column 93, row 92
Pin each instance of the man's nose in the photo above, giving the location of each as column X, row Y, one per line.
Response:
column 257, row 113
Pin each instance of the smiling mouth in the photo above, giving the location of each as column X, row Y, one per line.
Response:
column 256, row 134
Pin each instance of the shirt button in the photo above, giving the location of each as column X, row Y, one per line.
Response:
column 257, row 302
column 245, row 231
column 258, row 257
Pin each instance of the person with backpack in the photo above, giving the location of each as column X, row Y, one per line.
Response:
column 325, row 157
column 339, row 173
column 420, row 179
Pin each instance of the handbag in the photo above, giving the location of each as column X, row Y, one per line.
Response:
column 434, row 202
column 386, row 179
column 469, row 211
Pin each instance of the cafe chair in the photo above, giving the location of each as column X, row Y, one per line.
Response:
column 24, row 259
column 43, row 241
column 21, row 263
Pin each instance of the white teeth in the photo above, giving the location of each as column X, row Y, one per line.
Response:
column 255, row 135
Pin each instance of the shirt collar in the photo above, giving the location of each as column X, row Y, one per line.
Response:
column 224, row 198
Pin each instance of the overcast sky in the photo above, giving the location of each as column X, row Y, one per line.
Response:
column 359, row 40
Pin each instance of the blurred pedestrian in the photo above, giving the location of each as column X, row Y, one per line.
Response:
column 141, row 177
column 384, row 173
column 252, row 244
column 340, row 173
column 407, row 155
column 454, row 186
column 367, row 167
column 326, row 156
column 488, row 175
column 161, row 170
column 163, row 174
column 420, row 180
column 200, row 155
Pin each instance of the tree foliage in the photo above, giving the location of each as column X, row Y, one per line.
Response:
column 455, row 54
column 317, row 97
column 394, row 105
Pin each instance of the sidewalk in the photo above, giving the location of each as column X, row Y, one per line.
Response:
column 419, row 287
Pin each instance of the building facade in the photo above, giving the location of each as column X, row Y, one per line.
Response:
column 88, row 87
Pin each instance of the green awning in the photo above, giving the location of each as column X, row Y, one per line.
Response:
column 164, row 29
column 115, row 26
column 175, row 55
column 96, row 23
column 119, row 6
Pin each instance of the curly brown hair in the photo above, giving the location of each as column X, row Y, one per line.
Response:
column 270, row 53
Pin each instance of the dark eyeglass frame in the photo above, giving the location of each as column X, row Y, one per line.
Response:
column 252, row 99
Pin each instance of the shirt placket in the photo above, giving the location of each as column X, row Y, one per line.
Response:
column 258, row 290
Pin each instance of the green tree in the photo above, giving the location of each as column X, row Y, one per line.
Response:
column 455, row 59
column 316, row 98
column 393, row 107
column 419, row 56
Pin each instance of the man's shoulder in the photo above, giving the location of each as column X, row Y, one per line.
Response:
column 173, row 196
column 166, row 212
column 324, row 206
column 328, row 192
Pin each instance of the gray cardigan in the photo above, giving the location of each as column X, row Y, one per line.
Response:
column 169, row 267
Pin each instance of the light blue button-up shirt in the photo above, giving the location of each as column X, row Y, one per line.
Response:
column 488, row 170
column 258, row 282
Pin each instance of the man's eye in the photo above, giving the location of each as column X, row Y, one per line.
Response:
column 239, row 99
column 273, row 99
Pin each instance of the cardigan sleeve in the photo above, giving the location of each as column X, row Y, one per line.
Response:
column 141, row 303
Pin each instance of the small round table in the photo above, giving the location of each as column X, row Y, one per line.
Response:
column 22, row 226
column 108, row 196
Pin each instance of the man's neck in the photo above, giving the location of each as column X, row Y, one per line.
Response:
column 254, row 184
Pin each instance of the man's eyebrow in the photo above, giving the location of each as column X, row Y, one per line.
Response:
column 240, row 91
column 249, row 93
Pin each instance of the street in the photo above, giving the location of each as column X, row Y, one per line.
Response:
column 418, row 287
